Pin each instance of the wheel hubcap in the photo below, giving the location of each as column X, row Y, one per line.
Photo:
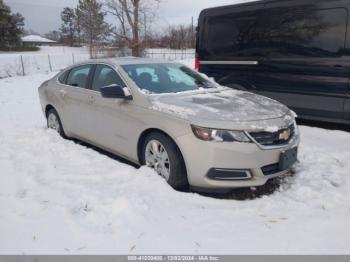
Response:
column 157, row 158
column 53, row 123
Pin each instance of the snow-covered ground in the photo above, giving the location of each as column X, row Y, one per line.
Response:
column 47, row 59
column 50, row 50
column 59, row 197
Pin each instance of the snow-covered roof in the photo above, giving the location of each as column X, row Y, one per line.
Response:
column 36, row 38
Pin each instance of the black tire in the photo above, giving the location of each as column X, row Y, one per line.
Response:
column 178, row 173
column 60, row 129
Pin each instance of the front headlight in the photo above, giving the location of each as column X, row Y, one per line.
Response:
column 208, row 134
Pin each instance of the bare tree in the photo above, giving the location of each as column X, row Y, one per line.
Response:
column 132, row 16
column 178, row 37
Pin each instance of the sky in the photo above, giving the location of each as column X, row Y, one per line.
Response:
column 44, row 15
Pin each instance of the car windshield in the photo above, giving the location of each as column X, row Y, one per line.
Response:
column 166, row 78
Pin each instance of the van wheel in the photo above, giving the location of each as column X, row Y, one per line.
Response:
column 162, row 154
column 54, row 122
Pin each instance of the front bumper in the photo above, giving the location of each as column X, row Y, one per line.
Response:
column 259, row 164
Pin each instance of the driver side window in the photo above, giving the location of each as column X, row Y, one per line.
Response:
column 106, row 76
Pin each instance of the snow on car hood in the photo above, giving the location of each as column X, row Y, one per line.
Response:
column 223, row 104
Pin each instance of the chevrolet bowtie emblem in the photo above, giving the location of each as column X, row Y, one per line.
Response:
column 285, row 135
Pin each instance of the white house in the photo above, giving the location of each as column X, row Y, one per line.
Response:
column 37, row 40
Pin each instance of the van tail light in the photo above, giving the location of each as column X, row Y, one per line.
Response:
column 196, row 63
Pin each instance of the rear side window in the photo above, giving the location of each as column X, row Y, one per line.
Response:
column 79, row 76
column 63, row 77
column 106, row 76
column 288, row 31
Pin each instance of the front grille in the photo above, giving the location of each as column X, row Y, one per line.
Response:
column 274, row 138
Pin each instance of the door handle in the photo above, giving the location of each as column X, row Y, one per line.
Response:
column 92, row 99
column 63, row 93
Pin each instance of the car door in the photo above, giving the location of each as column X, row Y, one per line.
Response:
column 305, row 66
column 75, row 99
column 111, row 126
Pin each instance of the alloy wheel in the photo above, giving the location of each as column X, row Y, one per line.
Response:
column 157, row 157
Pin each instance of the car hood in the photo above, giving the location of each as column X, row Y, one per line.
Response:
column 220, row 105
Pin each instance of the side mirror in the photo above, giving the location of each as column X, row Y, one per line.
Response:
column 115, row 91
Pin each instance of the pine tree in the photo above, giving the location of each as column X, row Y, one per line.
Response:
column 68, row 27
column 78, row 16
column 93, row 26
column 11, row 27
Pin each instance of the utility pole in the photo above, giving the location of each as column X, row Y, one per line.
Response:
column 145, row 21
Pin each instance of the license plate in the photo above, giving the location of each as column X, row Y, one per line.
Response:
column 288, row 158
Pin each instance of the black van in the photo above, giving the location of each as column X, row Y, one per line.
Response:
column 295, row 51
